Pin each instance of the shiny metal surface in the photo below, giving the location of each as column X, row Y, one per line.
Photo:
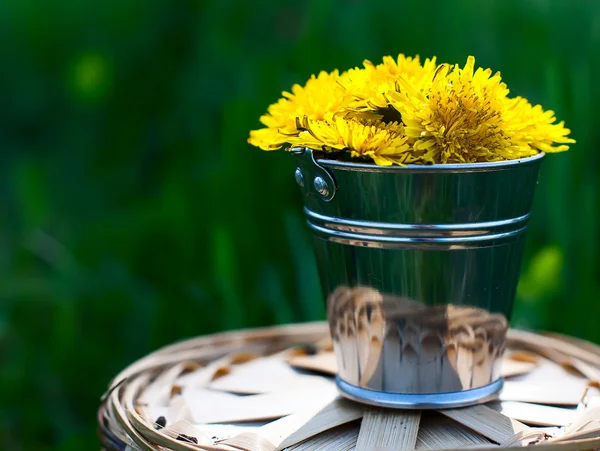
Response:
column 419, row 266
column 299, row 176
column 421, row 402
column 321, row 186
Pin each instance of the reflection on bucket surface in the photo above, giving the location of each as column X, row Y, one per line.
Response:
column 397, row 345
column 419, row 266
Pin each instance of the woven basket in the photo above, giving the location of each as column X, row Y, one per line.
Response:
column 271, row 389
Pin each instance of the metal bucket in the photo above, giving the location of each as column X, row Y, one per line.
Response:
column 419, row 266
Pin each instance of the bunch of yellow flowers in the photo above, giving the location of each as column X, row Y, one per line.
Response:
column 404, row 112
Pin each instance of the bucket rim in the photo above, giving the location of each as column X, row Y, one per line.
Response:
column 448, row 168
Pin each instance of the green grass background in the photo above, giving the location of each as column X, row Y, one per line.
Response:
column 133, row 213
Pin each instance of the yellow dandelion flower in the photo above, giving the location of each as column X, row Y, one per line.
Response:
column 321, row 98
column 385, row 144
column 535, row 129
column 459, row 118
column 267, row 138
column 370, row 84
column 401, row 111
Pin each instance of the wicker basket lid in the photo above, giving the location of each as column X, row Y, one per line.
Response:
column 273, row 389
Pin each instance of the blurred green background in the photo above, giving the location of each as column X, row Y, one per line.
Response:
column 134, row 213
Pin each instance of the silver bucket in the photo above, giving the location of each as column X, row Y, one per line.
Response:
column 419, row 266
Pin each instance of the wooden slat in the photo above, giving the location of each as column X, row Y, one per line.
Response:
column 339, row 412
column 487, row 422
column 208, row 406
column 592, row 431
column 527, row 438
column 177, row 410
column 439, row 432
column 512, row 368
column 159, row 390
column 535, row 414
column 388, row 430
column 264, row 376
column 323, row 362
column 569, row 394
column 580, row 343
column 201, row 377
column 549, row 372
column 250, row 441
column 339, row 439
column 186, row 433
column 589, row 371
column 584, row 418
column 542, row 344
column 220, row 432
column 276, row 432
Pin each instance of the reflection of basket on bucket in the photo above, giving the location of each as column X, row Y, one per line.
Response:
column 357, row 330
column 397, row 345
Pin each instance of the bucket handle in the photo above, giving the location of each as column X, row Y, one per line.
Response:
column 311, row 176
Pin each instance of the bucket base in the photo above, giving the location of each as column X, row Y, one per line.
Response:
column 420, row 401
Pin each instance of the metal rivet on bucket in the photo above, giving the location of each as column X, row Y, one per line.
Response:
column 299, row 177
column 321, row 186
